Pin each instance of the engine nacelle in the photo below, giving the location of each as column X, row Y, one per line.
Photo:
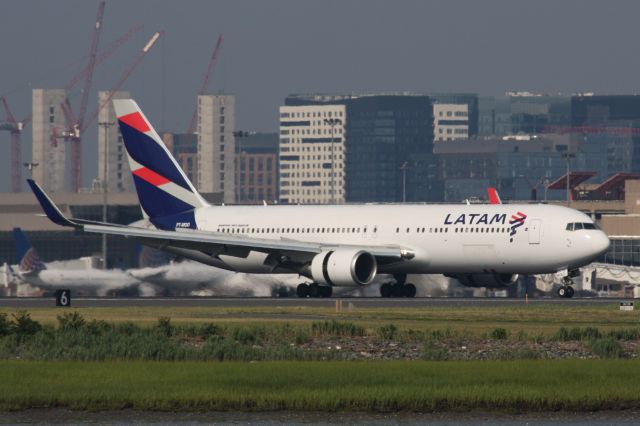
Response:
column 486, row 280
column 344, row 267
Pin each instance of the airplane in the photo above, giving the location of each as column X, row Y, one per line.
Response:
column 33, row 271
column 341, row 245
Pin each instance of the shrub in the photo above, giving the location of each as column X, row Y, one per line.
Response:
column 499, row 334
column 70, row 321
column 577, row 333
column 5, row 325
column 625, row 334
column 388, row 331
column 607, row 347
column 23, row 325
column 164, row 326
column 337, row 328
column 432, row 352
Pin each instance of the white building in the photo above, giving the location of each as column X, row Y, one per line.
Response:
column 450, row 122
column 118, row 172
column 312, row 154
column 48, row 150
column 216, row 145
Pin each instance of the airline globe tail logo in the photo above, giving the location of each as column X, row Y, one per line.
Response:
column 31, row 262
column 517, row 220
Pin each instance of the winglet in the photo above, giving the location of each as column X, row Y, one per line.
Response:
column 50, row 209
column 494, row 198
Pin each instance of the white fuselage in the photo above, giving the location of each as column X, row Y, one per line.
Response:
column 91, row 280
column 445, row 239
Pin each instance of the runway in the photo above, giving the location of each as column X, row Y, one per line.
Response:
column 235, row 302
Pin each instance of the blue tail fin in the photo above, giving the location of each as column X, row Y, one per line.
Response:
column 28, row 258
column 166, row 195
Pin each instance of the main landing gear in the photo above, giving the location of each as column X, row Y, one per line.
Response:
column 399, row 288
column 566, row 290
column 313, row 290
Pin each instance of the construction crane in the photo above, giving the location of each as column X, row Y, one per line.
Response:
column 75, row 133
column 66, row 106
column 15, row 127
column 205, row 82
column 74, row 124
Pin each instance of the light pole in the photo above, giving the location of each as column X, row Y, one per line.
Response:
column 333, row 122
column 105, row 170
column 568, row 156
column 404, row 168
column 30, row 167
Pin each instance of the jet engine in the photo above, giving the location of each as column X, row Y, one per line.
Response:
column 486, row 280
column 344, row 267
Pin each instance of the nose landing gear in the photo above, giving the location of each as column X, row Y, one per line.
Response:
column 567, row 290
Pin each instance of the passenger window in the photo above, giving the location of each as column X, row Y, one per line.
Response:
column 375, row 229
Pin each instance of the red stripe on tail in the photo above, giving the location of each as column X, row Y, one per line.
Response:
column 150, row 176
column 136, row 121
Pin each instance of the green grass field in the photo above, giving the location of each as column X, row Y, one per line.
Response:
column 539, row 319
column 301, row 359
column 524, row 386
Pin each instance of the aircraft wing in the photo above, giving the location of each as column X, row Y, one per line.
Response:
column 211, row 243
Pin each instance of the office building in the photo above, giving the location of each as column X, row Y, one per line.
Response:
column 471, row 100
column 450, row 122
column 116, row 167
column 312, row 154
column 376, row 142
column 184, row 148
column 216, row 145
column 48, row 150
column 256, row 168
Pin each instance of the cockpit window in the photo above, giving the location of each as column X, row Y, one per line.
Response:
column 580, row 225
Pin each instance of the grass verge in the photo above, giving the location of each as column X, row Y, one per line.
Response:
column 514, row 386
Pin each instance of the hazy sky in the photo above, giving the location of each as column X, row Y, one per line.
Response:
column 273, row 48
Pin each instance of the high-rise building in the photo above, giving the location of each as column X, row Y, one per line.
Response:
column 256, row 168
column 312, row 160
column 118, row 173
column 470, row 100
column 377, row 141
column 450, row 122
column 216, row 145
column 48, row 150
column 184, row 147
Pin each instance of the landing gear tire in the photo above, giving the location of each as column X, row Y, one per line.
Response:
column 562, row 291
column 569, row 292
column 566, row 291
column 397, row 290
column 386, row 290
column 303, row 290
column 409, row 290
column 325, row 291
column 314, row 290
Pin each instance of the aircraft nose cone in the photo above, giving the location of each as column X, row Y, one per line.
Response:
column 600, row 243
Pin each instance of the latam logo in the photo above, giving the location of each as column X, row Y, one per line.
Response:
column 517, row 220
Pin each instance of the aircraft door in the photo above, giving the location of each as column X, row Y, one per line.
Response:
column 534, row 231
